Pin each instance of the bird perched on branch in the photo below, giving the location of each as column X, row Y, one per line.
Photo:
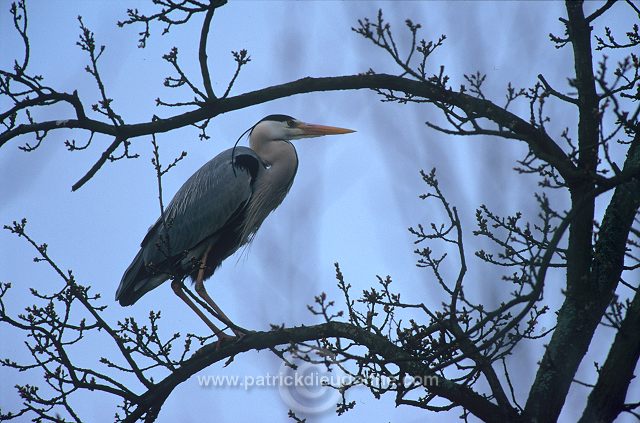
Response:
column 218, row 210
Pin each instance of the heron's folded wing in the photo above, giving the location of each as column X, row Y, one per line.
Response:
column 203, row 205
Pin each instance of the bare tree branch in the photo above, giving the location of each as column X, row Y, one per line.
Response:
column 544, row 147
column 607, row 398
column 462, row 343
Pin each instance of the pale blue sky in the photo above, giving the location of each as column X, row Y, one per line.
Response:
column 352, row 200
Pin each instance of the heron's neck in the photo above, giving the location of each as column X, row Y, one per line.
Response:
column 272, row 183
column 275, row 153
column 279, row 156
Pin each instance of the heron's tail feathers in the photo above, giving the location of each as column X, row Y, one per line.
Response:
column 137, row 281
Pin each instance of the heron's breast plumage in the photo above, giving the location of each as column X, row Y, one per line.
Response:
column 270, row 187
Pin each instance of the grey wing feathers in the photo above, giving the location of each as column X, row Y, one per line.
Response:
column 200, row 208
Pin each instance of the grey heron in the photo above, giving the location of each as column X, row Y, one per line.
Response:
column 218, row 210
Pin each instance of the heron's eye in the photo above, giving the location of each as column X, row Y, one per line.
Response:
column 291, row 123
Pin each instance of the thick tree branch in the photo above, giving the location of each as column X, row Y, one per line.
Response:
column 582, row 311
column 540, row 143
column 607, row 398
column 585, row 82
column 459, row 342
column 556, row 372
column 152, row 400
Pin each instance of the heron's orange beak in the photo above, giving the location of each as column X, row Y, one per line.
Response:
column 309, row 129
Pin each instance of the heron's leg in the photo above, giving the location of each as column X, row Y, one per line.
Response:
column 202, row 292
column 176, row 285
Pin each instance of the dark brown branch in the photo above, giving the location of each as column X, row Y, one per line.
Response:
column 169, row 15
column 87, row 43
column 633, row 6
column 595, row 15
column 171, row 82
column 47, row 100
column 241, row 58
column 580, row 314
column 19, row 229
column 466, row 344
column 478, row 405
column 576, row 320
column 202, row 56
column 98, row 164
column 19, row 12
column 607, row 398
column 540, row 143
column 555, row 93
column 591, row 279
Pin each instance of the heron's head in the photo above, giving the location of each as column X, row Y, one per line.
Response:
column 286, row 128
